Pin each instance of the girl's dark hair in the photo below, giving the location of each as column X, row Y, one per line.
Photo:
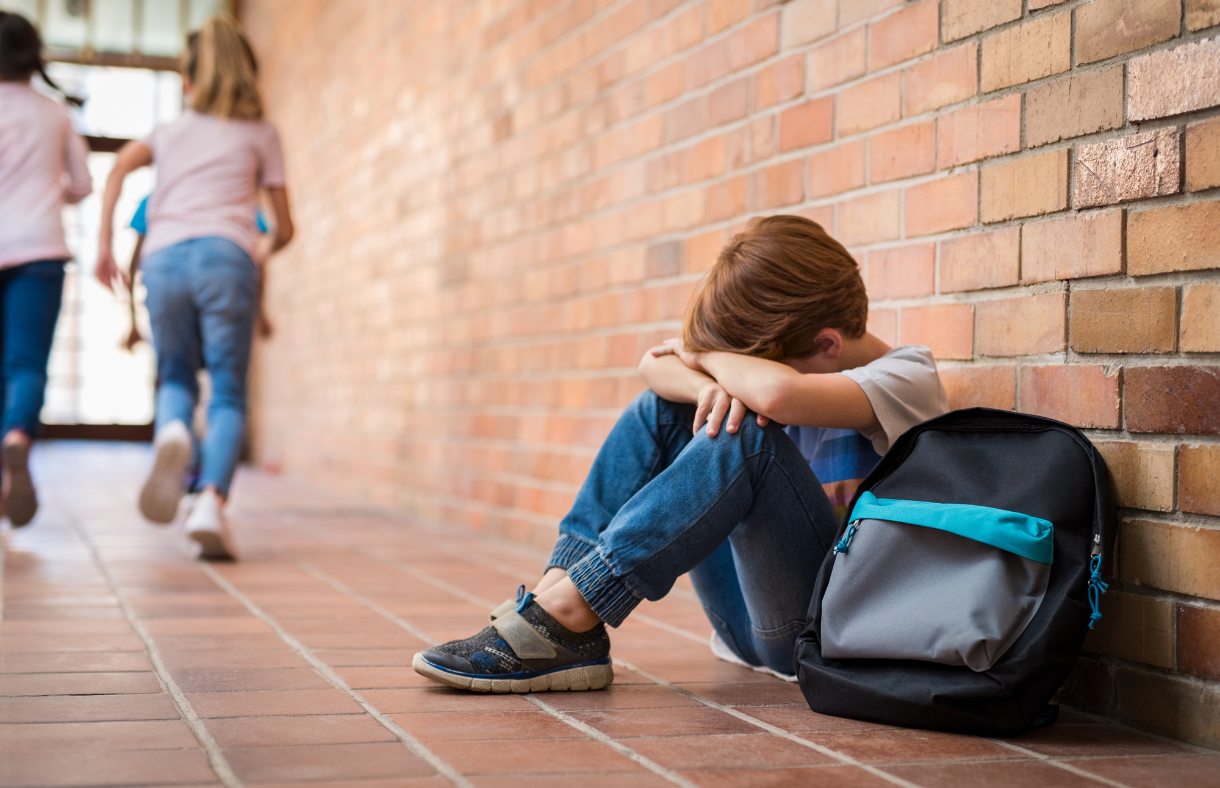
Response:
column 21, row 51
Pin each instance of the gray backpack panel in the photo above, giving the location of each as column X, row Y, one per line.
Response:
column 908, row 592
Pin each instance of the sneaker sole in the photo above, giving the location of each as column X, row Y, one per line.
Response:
column 212, row 546
column 578, row 679
column 22, row 502
column 166, row 483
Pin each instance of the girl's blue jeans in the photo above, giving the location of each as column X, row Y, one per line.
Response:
column 30, row 297
column 202, row 297
column 743, row 513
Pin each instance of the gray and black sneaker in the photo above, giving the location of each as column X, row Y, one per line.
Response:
column 524, row 650
column 508, row 605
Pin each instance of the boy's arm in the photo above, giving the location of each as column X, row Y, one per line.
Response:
column 673, row 380
column 781, row 393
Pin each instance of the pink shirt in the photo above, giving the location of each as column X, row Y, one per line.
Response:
column 43, row 165
column 209, row 171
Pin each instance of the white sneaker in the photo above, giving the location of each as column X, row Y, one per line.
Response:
column 721, row 649
column 208, row 528
column 167, row 481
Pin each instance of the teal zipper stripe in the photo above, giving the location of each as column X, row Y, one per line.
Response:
column 1029, row 537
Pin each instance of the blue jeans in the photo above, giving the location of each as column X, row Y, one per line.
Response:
column 743, row 513
column 202, row 296
column 30, row 297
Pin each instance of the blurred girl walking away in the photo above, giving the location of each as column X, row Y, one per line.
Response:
column 42, row 167
column 201, row 261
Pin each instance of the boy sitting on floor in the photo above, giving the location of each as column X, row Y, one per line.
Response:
column 776, row 331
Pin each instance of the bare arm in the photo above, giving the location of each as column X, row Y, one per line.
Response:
column 132, row 156
column 780, row 392
column 281, row 217
column 673, row 380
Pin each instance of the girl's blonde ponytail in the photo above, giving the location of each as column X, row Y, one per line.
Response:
column 221, row 67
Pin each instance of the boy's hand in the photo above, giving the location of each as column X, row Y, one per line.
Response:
column 675, row 347
column 714, row 404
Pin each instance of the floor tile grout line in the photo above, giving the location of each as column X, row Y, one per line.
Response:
column 579, row 725
column 774, row 730
column 211, row 750
column 328, row 673
column 309, row 569
column 617, row 746
column 1047, row 759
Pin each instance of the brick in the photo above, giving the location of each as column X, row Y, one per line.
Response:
column 1198, row 649
column 836, row 170
column 904, row 34
column 1133, row 167
column 1199, row 479
column 728, row 103
column 981, row 387
column 706, row 64
column 903, row 152
column 805, row 21
column 664, row 259
column 870, row 104
column 756, row 41
column 883, row 324
column 905, row 272
column 704, row 160
column 949, row 77
column 1022, row 326
column 807, row 124
column 1178, row 400
column 1074, row 106
column 1081, row 395
column 1077, row 246
column 1105, row 28
column 1127, row 320
column 1201, row 318
column 1170, row 556
column 992, row 128
column 962, row 18
column 1027, row 52
column 1183, row 710
column 727, row 199
column 1175, row 238
column 947, row 204
column 1142, row 473
column 701, row 250
column 869, row 219
column 1138, row 628
column 1026, row 186
column 780, row 184
column 1173, row 81
column 841, row 58
column 946, row 329
column 980, row 260
column 722, row 14
column 1202, row 13
column 1203, row 155
column 852, row 11
column 779, row 82
column 1036, row 5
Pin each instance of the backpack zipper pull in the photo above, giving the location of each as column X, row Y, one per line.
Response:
column 841, row 547
column 1096, row 586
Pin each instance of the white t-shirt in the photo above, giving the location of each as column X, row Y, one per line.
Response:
column 904, row 389
column 209, row 172
column 43, row 165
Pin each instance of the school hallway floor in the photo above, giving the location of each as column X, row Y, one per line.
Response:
column 125, row 662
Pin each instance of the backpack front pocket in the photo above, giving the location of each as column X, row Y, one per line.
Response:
column 949, row 583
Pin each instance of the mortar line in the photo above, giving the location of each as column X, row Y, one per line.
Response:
column 326, row 672
column 211, row 750
column 1057, row 763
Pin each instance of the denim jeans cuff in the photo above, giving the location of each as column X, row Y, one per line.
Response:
column 609, row 597
column 567, row 551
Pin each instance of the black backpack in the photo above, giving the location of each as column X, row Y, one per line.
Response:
column 964, row 579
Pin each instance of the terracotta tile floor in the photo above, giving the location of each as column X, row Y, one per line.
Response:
column 124, row 662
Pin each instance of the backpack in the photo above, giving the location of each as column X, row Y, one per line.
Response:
column 964, row 579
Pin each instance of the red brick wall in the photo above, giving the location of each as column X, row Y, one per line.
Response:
column 502, row 204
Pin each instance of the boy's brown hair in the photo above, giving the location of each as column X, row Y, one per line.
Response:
column 773, row 288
